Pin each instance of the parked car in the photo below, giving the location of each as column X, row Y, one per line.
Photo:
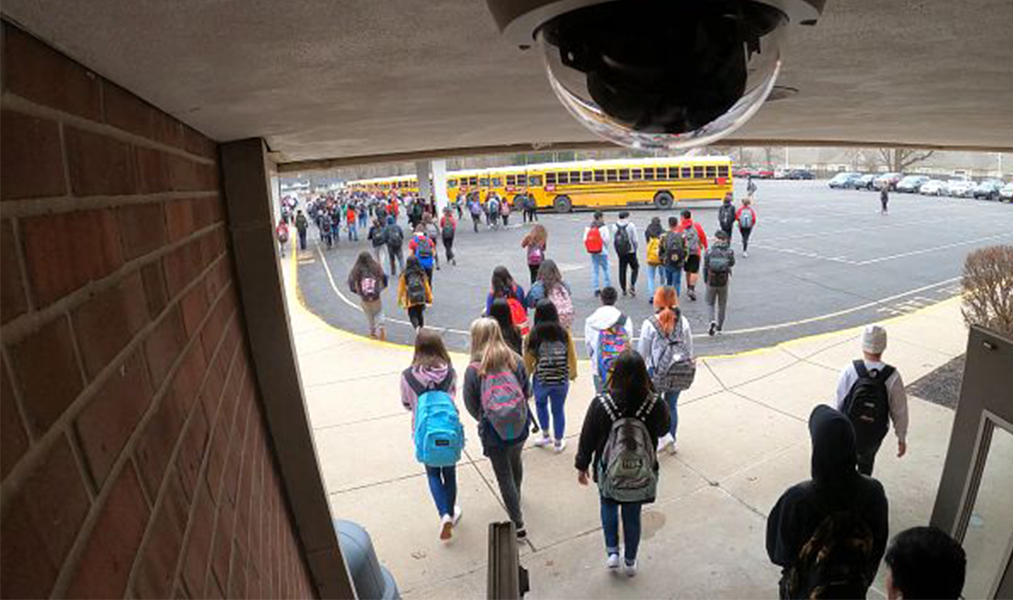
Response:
column 911, row 184
column 842, row 180
column 862, row 182
column 1006, row 192
column 987, row 189
column 933, row 187
column 799, row 174
column 960, row 188
column 888, row 180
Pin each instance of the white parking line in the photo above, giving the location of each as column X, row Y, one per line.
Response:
column 935, row 249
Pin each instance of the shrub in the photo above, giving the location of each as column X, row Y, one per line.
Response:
column 988, row 289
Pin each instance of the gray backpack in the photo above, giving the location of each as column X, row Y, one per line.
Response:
column 692, row 239
column 674, row 369
column 626, row 470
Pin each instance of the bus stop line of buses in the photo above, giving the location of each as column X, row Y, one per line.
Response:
column 584, row 184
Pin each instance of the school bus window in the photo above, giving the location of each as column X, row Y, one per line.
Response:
column 698, row 172
column 624, row 174
column 723, row 171
column 661, row 172
column 511, row 180
column 687, row 173
column 484, row 181
column 550, row 178
column 563, row 177
column 712, row 172
column 636, row 174
column 452, row 183
column 588, row 177
column 599, row 175
column 574, row 176
column 649, row 173
column 612, row 175
column 497, row 181
column 534, row 180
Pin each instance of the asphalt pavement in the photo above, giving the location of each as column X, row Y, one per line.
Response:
column 820, row 260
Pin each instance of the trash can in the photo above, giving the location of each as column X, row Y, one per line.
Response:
column 372, row 582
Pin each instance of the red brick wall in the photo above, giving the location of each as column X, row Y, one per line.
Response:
column 134, row 458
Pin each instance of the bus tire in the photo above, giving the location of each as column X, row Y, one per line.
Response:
column 663, row 200
column 562, row 204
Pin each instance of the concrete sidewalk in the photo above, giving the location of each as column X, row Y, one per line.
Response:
column 743, row 439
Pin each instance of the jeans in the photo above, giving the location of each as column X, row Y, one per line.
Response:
column 745, row 231
column 556, row 395
column 653, row 272
column 474, row 222
column 506, row 464
column 867, row 458
column 443, row 486
column 631, row 527
column 672, row 277
column 672, row 399
column 396, row 256
column 448, row 245
column 416, row 314
column 533, row 272
column 628, row 261
column 717, row 300
column 302, row 239
column 729, row 231
column 353, row 233
column 600, row 262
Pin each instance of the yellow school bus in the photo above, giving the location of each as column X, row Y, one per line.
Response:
column 658, row 182
column 402, row 184
column 465, row 181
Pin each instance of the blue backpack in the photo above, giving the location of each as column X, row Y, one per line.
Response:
column 439, row 435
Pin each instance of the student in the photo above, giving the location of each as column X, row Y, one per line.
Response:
column 530, row 208
column 350, row 219
column 281, row 234
column 428, row 388
column 433, row 233
column 475, row 209
column 924, row 562
column 551, row 358
column 726, row 215
column 422, row 248
column 696, row 245
column 596, row 242
column 624, row 236
column 378, row 240
column 394, row 236
column 496, row 393
column 717, row 273
column 448, row 229
column 747, row 220
column 655, row 262
column 608, row 322
column 884, row 198
column 536, row 241
column 871, row 393
column 750, row 187
column 326, row 229
column 666, row 343
column 550, row 286
column 367, row 280
column 673, row 255
column 301, row 225
column 492, row 210
column 838, row 508
column 503, row 286
column 414, row 292
column 617, row 444
column 501, row 312
column 504, row 211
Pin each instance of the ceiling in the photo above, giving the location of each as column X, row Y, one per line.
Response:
column 324, row 79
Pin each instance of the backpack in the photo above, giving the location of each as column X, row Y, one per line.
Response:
column 654, row 251
column 611, row 343
column 746, row 219
column 504, row 406
column 504, row 209
column 719, row 263
column 675, row 248
column 369, row 288
column 553, row 365
column 518, row 315
column 622, row 242
column 560, row 298
column 868, row 405
column 282, row 233
column 626, row 469
column 415, row 284
column 692, row 239
column 833, row 562
column 673, row 369
column 726, row 216
column 395, row 237
column 448, row 229
column 493, row 207
column 439, row 435
column 475, row 209
column 593, row 242
column 536, row 254
column 424, row 250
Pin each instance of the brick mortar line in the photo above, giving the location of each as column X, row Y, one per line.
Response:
column 50, row 205
column 84, row 533
column 30, row 322
column 26, row 466
column 23, row 266
column 239, row 485
column 160, row 495
column 12, row 101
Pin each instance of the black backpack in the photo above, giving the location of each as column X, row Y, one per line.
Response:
column 675, row 249
column 726, row 217
column 868, row 405
column 416, row 288
column 834, row 562
column 394, row 235
column 623, row 245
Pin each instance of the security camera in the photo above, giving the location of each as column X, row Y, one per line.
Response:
column 657, row 74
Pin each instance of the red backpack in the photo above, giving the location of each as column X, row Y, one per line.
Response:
column 518, row 315
column 593, row 241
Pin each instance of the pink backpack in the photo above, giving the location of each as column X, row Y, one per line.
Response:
column 564, row 305
column 504, row 405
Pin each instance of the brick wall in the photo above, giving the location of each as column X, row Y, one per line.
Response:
column 134, row 459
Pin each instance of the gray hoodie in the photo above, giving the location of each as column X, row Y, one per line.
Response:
column 601, row 319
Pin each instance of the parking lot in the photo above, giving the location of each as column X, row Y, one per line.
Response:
column 820, row 260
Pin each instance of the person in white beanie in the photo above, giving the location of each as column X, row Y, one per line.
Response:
column 871, row 393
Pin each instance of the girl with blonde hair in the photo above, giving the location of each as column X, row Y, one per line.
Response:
column 535, row 242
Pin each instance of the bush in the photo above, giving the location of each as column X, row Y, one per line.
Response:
column 988, row 289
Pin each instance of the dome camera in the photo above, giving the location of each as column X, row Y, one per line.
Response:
column 657, row 74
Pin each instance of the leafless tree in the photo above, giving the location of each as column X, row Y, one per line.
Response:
column 899, row 160
column 988, row 289
column 771, row 156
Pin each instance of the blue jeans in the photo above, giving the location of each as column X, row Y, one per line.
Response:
column 600, row 262
column 653, row 271
column 631, row 527
column 672, row 399
column 443, row 485
column 353, row 233
column 672, row 276
column 556, row 395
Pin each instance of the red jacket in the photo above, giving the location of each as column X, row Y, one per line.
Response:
column 699, row 233
column 738, row 215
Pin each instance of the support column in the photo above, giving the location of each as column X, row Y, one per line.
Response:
column 423, row 169
column 437, row 188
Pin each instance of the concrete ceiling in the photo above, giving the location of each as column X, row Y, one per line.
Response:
column 338, row 79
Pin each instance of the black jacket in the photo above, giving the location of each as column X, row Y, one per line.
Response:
column 597, row 426
column 835, row 485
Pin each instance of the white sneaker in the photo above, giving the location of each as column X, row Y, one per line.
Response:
column 458, row 513
column 559, row 446
column 745, row 254
column 631, row 570
column 446, row 524
column 543, row 441
column 664, row 441
column 612, row 563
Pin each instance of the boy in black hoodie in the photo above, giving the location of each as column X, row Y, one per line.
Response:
column 798, row 527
